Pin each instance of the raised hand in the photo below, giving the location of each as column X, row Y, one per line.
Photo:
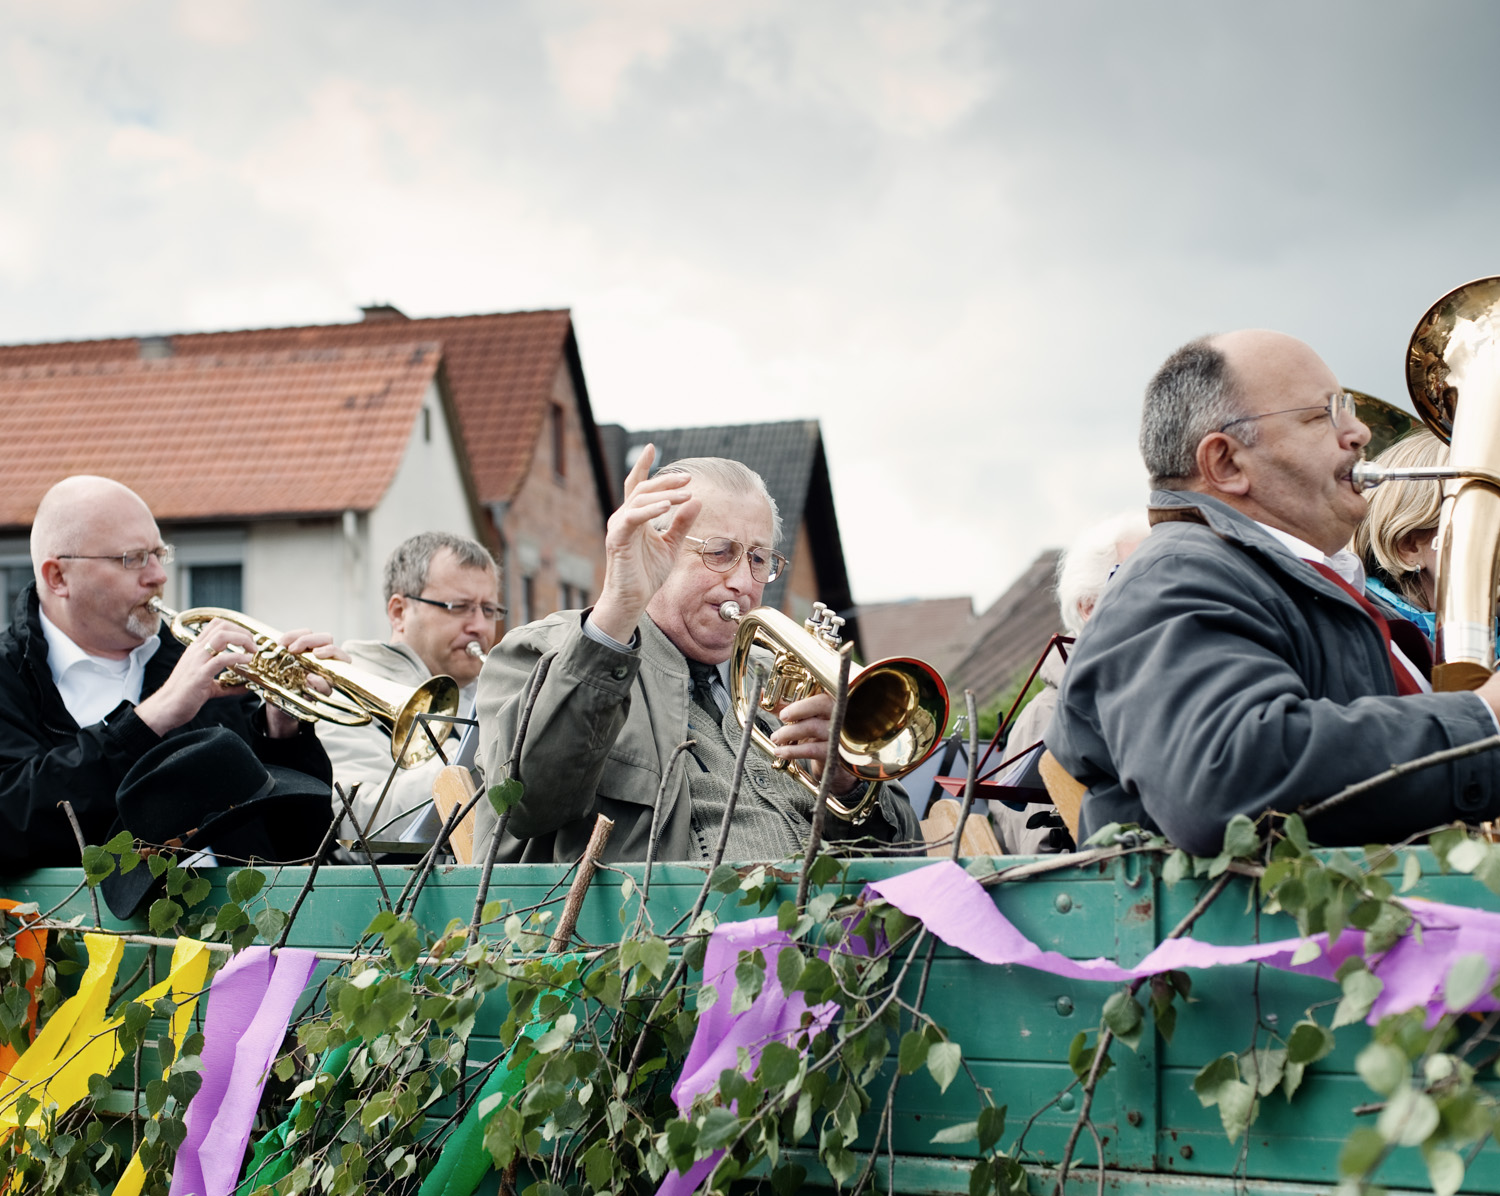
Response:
column 637, row 556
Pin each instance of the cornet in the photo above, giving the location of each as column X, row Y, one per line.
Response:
column 280, row 677
column 896, row 711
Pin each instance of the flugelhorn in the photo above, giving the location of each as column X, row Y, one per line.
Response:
column 281, row 677
column 896, row 711
column 1455, row 354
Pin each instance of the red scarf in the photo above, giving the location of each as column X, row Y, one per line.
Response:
column 1405, row 682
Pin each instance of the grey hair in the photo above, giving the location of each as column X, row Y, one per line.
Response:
column 406, row 568
column 1084, row 568
column 1194, row 393
column 732, row 477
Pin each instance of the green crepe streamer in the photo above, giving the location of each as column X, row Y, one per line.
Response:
column 464, row 1161
column 271, row 1158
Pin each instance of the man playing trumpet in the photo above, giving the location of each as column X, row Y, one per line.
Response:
column 89, row 683
column 442, row 597
column 643, row 671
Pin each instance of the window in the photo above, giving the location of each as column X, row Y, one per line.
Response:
column 528, row 599
column 216, row 585
column 566, row 601
column 559, row 441
column 13, row 579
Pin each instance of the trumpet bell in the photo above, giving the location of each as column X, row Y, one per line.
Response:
column 894, row 716
column 280, row 677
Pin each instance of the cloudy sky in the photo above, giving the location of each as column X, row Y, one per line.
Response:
column 961, row 235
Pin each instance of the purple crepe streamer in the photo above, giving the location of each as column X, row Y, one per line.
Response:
column 250, row 1003
column 960, row 911
column 773, row 1017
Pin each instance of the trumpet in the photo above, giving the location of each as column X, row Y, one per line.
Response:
column 896, row 709
column 358, row 697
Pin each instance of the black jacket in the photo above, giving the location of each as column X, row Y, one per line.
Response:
column 1220, row 675
column 46, row 758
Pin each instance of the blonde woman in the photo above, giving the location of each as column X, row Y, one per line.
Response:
column 1398, row 539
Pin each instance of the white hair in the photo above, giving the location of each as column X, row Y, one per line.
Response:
column 730, row 477
column 1085, row 566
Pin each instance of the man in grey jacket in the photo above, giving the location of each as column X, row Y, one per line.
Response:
column 642, row 672
column 1230, row 667
column 442, row 593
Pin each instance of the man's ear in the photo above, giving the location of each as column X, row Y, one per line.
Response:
column 53, row 579
column 395, row 611
column 1218, row 460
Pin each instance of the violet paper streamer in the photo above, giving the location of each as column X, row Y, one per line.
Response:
column 250, row 1003
column 774, row 1017
column 960, row 911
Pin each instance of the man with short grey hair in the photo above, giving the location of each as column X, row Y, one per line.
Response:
column 1233, row 666
column 442, row 593
column 644, row 671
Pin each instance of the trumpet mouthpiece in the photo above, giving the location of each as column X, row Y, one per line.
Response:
column 474, row 650
column 729, row 611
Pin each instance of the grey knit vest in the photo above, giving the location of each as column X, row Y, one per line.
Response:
column 774, row 810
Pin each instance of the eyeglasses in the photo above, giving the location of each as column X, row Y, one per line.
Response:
column 1341, row 410
column 463, row 610
column 722, row 554
column 136, row 558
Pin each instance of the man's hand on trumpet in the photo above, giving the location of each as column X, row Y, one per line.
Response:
column 802, row 738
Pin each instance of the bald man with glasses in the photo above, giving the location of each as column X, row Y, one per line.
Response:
column 643, row 671
column 89, row 681
column 442, row 595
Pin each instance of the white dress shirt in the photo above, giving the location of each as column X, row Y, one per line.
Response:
column 91, row 686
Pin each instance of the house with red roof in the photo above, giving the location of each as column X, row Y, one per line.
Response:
column 286, row 463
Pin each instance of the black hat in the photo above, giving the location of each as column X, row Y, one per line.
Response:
column 206, row 788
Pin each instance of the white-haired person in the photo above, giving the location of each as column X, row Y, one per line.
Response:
column 1083, row 570
column 1397, row 542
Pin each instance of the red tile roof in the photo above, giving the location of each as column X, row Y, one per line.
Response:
column 500, row 369
column 215, row 436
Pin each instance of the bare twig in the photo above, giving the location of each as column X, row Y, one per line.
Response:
column 312, row 875
column 67, row 808
column 1398, row 770
column 563, row 935
column 970, row 784
column 1106, row 1036
column 364, row 844
column 661, row 796
column 830, row 763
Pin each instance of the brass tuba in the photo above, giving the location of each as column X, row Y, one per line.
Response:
column 358, row 697
column 896, row 712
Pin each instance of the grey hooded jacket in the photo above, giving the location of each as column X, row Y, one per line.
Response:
column 1220, row 675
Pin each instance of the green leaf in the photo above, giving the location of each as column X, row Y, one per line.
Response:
column 1179, row 866
column 954, row 1135
column 779, row 1065
column 725, row 879
column 1213, row 1076
column 720, row 1128
column 1383, row 1067
column 1467, row 979
column 1291, row 1079
column 942, row 1061
column 1408, row 1118
column 1361, row 1152
column 97, row 864
column 980, row 1178
column 1361, row 988
column 1240, row 839
column 381, row 922
column 912, row 1053
column 654, row 956
column 1296, row 832
column 1308, row 1043
column 99, row 1088
column 163, row 915
column 1411, row 872
column 789, row 965
column 121, row 843
column 1467, row 855
column 1237, row 1106
column 506, row 794
column 270, row 923
column 244, row 884
column 1445, row 1171
column 788, row 1179
column 1262, row 1068
column 1124, row 1015
column 991, row 1126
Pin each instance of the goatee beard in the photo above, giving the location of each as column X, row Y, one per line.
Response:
column 143, row 623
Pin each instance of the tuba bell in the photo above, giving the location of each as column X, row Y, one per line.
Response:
column 1455, row 353
column 358, row 697
column 896, row 711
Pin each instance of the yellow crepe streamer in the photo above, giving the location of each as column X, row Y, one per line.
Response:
column 78, row 1041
